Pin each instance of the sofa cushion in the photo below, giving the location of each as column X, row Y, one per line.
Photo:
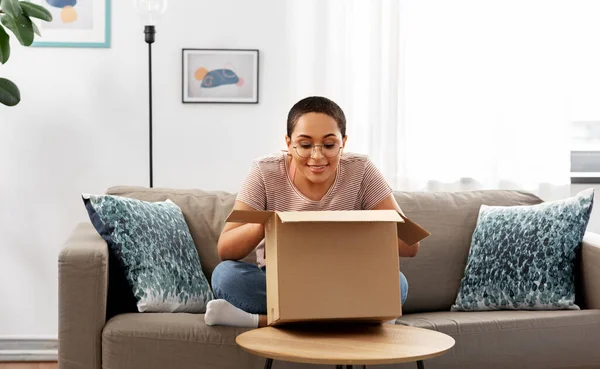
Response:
column 154, row 250
column 434, row 274
column 204, row 211
column 508, row 339
column 163, row 340
column 523, row 257
column 504, row 339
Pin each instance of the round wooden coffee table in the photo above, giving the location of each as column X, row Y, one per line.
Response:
column 345, row 345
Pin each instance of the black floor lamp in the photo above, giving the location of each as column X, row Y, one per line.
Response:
column 150, row 31
column 150, row 11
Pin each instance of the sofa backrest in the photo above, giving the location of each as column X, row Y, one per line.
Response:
column 434, row 274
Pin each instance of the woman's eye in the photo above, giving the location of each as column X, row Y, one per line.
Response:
column 305, row 145
column 329, row 146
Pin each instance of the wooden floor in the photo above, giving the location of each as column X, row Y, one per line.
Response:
column 28, row 365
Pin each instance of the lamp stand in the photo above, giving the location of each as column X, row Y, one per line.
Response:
column 150, row 31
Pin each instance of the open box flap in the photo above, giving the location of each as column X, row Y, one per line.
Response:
column 410, row 232
column 340, row 216
column 249, row 216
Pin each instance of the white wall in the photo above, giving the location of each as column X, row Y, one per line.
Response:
column 82, row 127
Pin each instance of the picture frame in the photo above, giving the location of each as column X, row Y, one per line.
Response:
column 84, row 24
column 220, row 76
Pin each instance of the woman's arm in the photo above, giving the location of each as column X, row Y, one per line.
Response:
column 404, row 250
column 237, row 240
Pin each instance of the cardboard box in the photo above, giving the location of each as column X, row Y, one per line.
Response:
column 332, row 265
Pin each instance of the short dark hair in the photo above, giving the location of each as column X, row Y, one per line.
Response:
column 316, row 104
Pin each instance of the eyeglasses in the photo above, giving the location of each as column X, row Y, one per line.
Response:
column 329, row 150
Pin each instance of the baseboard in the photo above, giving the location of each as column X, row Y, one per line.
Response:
column 27, row 349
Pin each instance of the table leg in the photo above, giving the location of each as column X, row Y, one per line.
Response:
column 420, row 364
column 268, row 363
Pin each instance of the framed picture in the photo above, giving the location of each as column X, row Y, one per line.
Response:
column 75, row 23
column 220, row 76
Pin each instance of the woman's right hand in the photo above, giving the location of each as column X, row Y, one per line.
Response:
column 237, row 240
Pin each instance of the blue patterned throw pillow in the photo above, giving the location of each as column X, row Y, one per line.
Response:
column 523, row 257
column 153, row 245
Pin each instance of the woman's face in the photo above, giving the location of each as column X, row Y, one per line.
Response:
column 316, row 146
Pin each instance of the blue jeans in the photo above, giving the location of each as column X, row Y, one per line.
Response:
column 245, row 286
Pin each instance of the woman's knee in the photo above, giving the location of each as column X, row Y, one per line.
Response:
column 224, row 275
column 241, row 284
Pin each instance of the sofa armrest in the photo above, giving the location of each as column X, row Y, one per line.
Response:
column 590, row 268
column 82, row 298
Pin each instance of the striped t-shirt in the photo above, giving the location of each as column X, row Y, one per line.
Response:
column 358, row 185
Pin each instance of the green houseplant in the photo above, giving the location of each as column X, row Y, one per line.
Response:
column 15, row 16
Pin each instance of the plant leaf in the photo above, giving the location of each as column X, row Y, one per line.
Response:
column 4, row 45
column 36, row 11
column 9, row 93
column 21, row 27
column 11, row 7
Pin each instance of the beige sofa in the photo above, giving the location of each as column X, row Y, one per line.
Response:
column 98, row 328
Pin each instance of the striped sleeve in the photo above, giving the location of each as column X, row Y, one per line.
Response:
column 253, row 190
column 374, row 187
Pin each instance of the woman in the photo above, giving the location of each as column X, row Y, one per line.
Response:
column 314, row 174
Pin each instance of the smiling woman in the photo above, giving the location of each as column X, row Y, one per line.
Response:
column 315, row 174
column 314, row 143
